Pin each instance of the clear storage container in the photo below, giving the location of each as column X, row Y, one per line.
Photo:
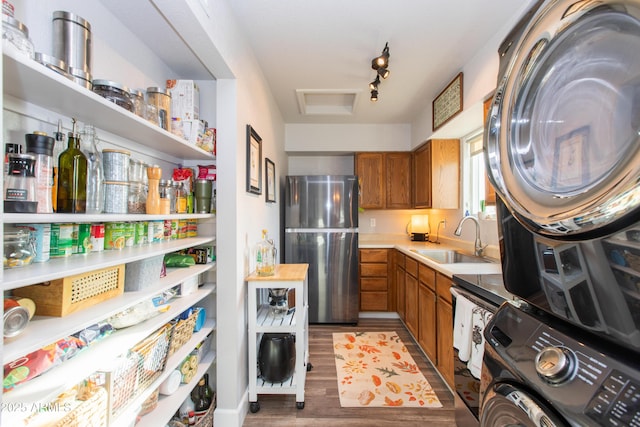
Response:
column 114, row 92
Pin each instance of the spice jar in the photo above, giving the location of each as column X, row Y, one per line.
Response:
column 114, row 92
column 137, row 199
column 20, row 184
column 167, row 192
column 162, row 100
column 18, row 248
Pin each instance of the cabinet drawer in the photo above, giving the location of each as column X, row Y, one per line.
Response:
column 373, row 301
column 411, row 265
column 373, row 255
column 373, row 270
column 443, row 283
column 373, row 284
column 427, row 276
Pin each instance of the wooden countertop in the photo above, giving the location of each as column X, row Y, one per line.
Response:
column 284, row 272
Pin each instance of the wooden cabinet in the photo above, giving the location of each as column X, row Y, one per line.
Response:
column 436, row 174
column 427, row 327
column 489, row 191
column 444, row 322
column 385, row 179
column 411, row 296
column 398, row 176
column 374, row 280
column 400, row 284
column 370, row 170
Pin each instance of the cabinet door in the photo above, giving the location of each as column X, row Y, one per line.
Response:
column 411, row 304
column 400, row 286
column 370, row 170
column 398, row 180
column 445, row 340
column 489, row 191
column 427, row 328
column 422, row 176
column 445, row 173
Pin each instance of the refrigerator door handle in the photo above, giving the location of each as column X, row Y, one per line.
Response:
column 321, row 230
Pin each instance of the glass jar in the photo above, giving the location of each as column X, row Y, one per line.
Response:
column 19, row 249
column 139, row 104
column 167, row 192
column 15, row 35
column 114, row 92
column 20, row 184
column 137, row 199
column 265, row 256
column 181, row 197
column 162, row 100
column 137, row 170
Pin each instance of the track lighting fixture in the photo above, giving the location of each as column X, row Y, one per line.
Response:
column 380, row 64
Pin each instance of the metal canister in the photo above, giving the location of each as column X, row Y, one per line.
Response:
column 116, row 197
column 15, row 318
column 116, row 165
column 72, row 40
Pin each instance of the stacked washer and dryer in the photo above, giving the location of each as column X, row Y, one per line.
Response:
column 562, row 148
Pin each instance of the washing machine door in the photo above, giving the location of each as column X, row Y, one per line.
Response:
column 505, row 405
column 562, row 144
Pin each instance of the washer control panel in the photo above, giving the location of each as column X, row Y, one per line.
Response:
column 617, row 402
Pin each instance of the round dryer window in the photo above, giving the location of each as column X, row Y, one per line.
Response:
column 565, row 140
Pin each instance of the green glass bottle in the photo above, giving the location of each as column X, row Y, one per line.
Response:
column 72, row 176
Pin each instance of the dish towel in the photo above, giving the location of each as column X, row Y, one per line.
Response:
column 479, row 320
column 462, row 327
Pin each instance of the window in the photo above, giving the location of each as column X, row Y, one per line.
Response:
column 474, row 175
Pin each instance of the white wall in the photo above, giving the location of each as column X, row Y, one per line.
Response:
column 321, row 165
column 340, row 138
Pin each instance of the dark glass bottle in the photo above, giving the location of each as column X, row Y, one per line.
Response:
column 201, row 398
column 72, row 177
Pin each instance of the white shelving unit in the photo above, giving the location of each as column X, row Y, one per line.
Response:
column 291, row 276
column 26, row 85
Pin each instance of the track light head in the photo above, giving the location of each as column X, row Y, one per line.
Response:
column 374, row 84
column 383, row 72
column 381, row 61
column 374, row 95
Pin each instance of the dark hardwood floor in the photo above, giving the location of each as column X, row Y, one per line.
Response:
column 322, row 405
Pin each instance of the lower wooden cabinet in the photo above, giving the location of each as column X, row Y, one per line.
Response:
column 427, row 328
column 445, row 328
column 374, row 280
column 411, row 296
column 400, row 284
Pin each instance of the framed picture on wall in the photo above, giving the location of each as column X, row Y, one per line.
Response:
column 270, row 179
column 254, row 161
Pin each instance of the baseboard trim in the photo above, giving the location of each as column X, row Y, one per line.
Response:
column 378, row 315
column 232, row 417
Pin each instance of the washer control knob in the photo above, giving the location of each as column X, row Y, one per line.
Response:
column 556, row 364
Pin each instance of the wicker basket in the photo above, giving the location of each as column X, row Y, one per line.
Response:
column 207, row 419
column 150, row 403
column 89, row 413
column 121, row 382
column 73, row 293
column 153, row 355
column 182, row 331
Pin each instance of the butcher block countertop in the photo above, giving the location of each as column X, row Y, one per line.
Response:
column 405, row 245
column 283, row 273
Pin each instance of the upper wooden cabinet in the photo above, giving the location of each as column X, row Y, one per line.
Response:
column 436, row 174
column 489, row 191
column 385, row 180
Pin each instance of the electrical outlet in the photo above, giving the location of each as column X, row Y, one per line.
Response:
column 372, row 222
column 444, row 223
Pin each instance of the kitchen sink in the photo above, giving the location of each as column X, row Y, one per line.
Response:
column 449, row 256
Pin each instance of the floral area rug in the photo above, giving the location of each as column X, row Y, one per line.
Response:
column 376, row 369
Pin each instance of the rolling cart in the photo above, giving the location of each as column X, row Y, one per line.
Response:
column 294, row 321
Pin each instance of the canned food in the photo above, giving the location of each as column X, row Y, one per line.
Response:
column 192, row 228
column 97, row 237
column 155, row 231
column 182, row 229
column 116, row 196
column 114, row 235
column 129, row 234
column 116, row 165
column 84, row 239
column 61, row 240
column 15, row 319
column 141, row 233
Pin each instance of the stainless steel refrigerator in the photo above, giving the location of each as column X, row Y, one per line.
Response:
column 321, row 229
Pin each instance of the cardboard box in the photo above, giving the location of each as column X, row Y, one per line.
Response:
column 185, row 99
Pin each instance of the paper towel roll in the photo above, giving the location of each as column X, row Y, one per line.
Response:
column 171, row 384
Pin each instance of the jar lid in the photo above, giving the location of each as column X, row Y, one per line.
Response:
column 111, row 150
column 39, row 144
column 68, row 16
column 52, row 63
column 109, row 83
column 159, row 90
column 126, row 183
column 136, row 92
column 12, row 22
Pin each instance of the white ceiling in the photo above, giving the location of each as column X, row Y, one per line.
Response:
column 329, row 44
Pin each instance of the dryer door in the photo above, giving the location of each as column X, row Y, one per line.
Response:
column 506, row 405
column 562, row 143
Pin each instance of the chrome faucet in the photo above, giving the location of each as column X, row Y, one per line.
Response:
column 478, row 249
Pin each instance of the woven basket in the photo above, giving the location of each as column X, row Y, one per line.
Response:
column 183, row 331
column 73, row 293
column 207, row 419
column 90, row 413
column 121, row 382
column 153, row 355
